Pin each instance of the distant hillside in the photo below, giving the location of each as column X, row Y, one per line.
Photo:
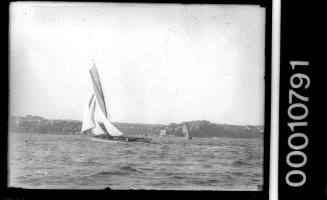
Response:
column 206, row 129
column 36, row 124
column 203, row 128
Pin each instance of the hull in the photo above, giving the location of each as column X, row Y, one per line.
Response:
column 103, row 140
column 120, row 139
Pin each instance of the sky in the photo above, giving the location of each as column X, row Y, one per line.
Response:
column 158, row 63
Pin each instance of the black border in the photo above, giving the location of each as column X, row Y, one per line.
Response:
column 303, row 38
column 94, row 194
column 4, row 85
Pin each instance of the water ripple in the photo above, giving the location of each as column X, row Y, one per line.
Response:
column 75, row 161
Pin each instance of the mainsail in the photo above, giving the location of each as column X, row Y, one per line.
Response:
column 96, row 112
column 186, row 132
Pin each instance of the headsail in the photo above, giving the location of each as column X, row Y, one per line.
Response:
column 96, row 113
column 186, row 132
column 88, row 121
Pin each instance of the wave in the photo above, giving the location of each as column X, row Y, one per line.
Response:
column 89, row 163
column 207, row 166
column 238, row 174
column 128, row 169
column 177, row 177
column 204, row 182
column 108, row 173
column 238, row 163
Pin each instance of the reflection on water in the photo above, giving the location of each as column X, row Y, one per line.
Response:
column 78, row 162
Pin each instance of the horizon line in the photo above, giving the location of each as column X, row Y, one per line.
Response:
column 143, row 122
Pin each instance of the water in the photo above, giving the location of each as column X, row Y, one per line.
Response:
column 77, row 162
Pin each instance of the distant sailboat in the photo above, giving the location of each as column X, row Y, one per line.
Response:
column 186, row 132
column 96, row 115
column 163, row 132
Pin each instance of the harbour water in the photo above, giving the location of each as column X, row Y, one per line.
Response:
column 50, row 161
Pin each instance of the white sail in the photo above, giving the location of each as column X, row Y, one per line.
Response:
column 186, row 132
column 95, row 115
column 88, row 122
column 163, row 132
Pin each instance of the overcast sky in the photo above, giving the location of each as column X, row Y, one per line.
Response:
column 157, row 63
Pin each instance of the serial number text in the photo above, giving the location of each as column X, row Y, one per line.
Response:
column 297, row 113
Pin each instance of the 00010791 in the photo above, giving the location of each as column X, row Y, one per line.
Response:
column 297, row 102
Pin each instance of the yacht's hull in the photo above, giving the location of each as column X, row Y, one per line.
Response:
column 120, row 138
